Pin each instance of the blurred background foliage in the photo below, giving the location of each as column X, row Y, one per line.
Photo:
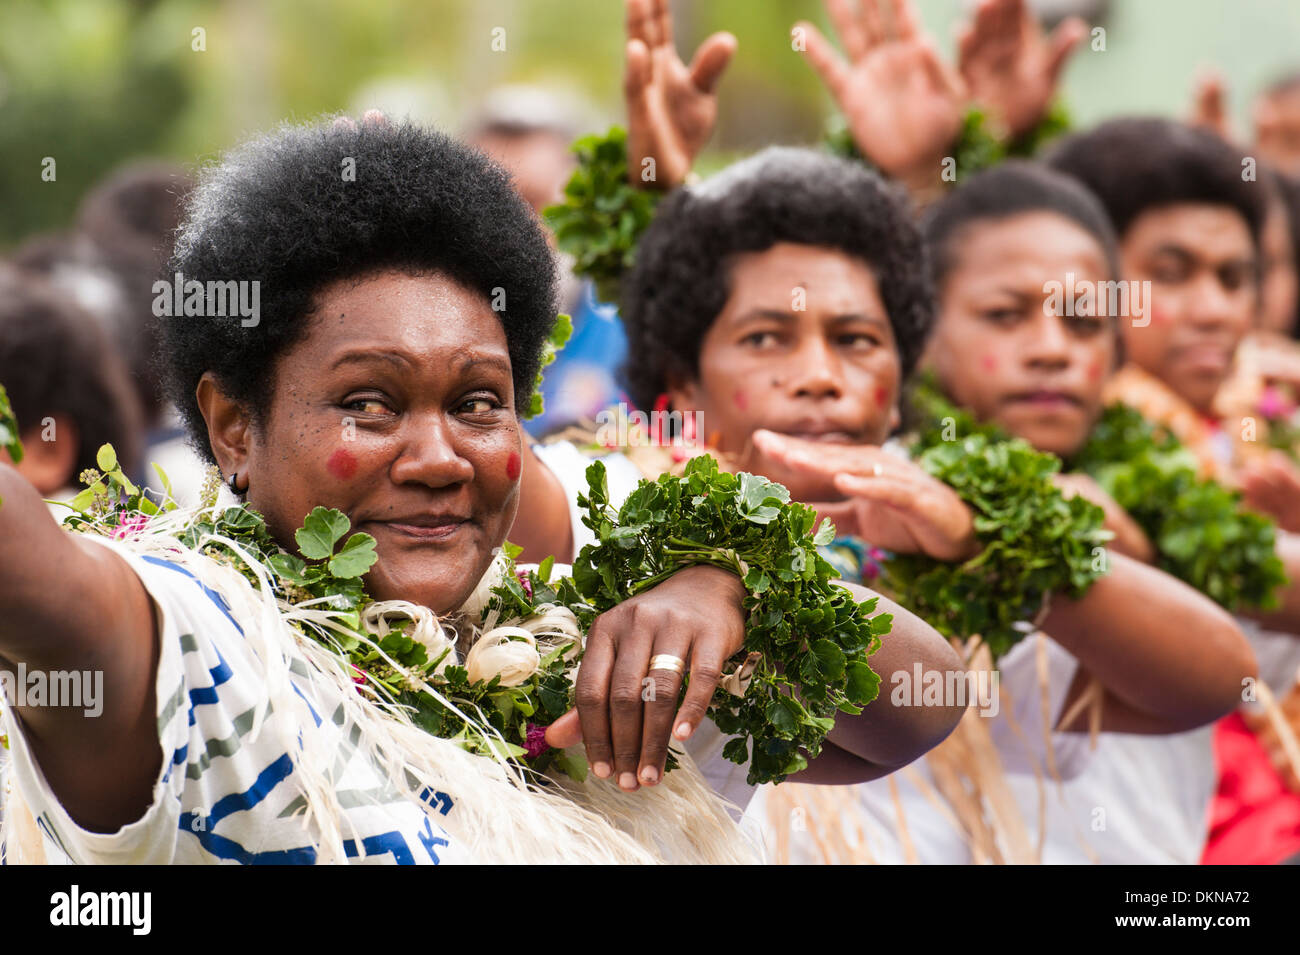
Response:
column 93, row 83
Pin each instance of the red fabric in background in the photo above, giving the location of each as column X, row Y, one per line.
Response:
column 1254, row 818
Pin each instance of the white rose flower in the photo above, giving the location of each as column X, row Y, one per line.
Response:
column 510, row 652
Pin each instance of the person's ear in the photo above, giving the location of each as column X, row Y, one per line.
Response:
column 683, row 395
column 50, row 454
column 228, row 425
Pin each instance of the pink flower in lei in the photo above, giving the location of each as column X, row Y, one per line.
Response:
column 1273, row 404
column 535, row 741
column 131, row 528
column 525, row 583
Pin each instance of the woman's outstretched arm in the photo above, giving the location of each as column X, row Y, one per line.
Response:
column 73, row 605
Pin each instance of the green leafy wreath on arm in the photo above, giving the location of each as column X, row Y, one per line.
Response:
column 1200, row 530
column 1034, row 541
column 806, row 637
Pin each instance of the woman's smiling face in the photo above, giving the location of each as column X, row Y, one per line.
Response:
column 398, row 409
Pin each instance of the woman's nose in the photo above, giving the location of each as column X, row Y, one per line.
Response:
column 429, row 455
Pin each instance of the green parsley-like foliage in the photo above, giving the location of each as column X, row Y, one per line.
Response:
column 555, row 342
column 602, row 216
column 975, row 148
column 9, row 428
column 1033, row 541
column 1198, row 527
column 330, row 564
column 1056, row 122
column 812, row 637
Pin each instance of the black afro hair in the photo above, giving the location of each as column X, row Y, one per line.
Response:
column 283, row 211
column 680, row 281
column 1012, row 188
column 1136, row 164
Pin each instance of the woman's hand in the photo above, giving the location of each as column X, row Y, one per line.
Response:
column 902, row 102
column 1130, row 539
column 1010, row 66
column 1272, row 486
column 671, row 108
column 1209, row 104
column 626, row 711
column 892, row 503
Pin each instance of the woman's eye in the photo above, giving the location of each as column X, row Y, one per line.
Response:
column 760, row 339
column 1170, row 272
column 366, row 405
column 858, row 340
column 1001, row 316
column 1085, row 327
column 481, row 405
column 1234, row 277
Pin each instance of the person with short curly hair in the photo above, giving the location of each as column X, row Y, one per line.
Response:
column 303, row 207
column 398, row 324
column 69, row 390
column 683, row 275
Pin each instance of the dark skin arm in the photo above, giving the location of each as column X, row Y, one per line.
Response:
column 610, row 703
column 1286, row 616
column 1169, row 658
column 102, row 768
column 542, row 527
column 884, row 737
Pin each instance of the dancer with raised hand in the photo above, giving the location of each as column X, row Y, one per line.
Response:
column 784, row 300
column 339, row 663
column 923, row 122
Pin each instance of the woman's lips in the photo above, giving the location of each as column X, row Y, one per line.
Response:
column 824, row 436
column 1046, row 400
column 1205, row 358
column 442, row 529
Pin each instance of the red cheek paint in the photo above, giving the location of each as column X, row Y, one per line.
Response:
column 881, row 395
column 742, row 402
column 1094, row 371
column 988, row 363
column 342, row 464
column 1159, row 316
column 513, row 466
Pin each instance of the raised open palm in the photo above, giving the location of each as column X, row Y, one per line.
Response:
column 1011, row 67
column 671, row 107
column 903, row 104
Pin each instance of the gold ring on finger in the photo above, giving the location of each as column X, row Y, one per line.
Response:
column 666, row 661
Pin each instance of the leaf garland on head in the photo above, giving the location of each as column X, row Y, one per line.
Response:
column 807, row 639
column 602, row 216
column 1033, row 540
column 1201, row 532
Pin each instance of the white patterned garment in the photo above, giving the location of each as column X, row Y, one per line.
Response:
column 221, row 795
column 1017, row 732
